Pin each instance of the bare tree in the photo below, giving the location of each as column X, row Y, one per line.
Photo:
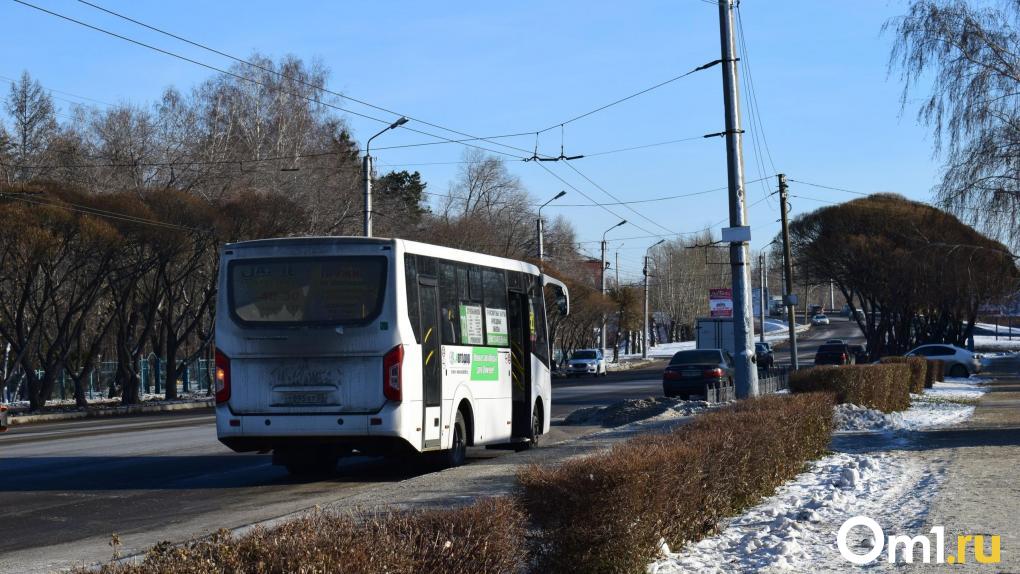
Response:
column 970, row 55
column 34, row 123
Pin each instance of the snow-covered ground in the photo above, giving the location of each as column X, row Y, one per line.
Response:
column 948, row 403
column 795, row 529
column 990, row 343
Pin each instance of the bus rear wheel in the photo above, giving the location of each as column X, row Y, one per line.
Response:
column 536, row 431
column 457, row 453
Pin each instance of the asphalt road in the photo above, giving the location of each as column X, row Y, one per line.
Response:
column 809, row 341
column 66, row 487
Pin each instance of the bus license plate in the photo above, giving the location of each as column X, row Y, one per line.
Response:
column 305, row 398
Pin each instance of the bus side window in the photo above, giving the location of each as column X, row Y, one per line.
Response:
column 449, row 309
column 540, row 337
column 497, row 332
column 413, row 308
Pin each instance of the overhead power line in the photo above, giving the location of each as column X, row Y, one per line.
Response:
column 626, row 206
column 256, row 82
column 88, row 210
column 844, row 190
column 631, row 96
column 637, row 147
column 308, row 84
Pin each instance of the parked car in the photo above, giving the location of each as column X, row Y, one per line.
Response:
column 815, row 310
column 959, row 362
column 690, row 372
column 764, row 355
column 3, row 418
column 859, row 353
column 586, row 362
column 819, row 319
column 834, row 354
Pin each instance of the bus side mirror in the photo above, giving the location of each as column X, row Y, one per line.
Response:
column 561, row 303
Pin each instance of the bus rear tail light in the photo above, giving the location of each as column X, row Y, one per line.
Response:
column 713, row 374
column 222, row 377
column 392, row 367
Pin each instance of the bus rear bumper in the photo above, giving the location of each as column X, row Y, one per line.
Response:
column 377, row 433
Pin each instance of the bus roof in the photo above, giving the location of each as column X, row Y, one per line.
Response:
column 408, row 246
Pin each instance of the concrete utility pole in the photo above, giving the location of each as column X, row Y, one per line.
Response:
column 602, row 328
column 743, row 327
column 541, row 240
column 761, row 295
column 366, row 173
column 788, row 273
column 832, row 297
column 644, row 328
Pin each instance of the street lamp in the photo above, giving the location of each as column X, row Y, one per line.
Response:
column 644, row 332
column 541, row 255
column 366, row 169
column 602, row 329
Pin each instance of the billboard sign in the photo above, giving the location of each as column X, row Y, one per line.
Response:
column 720, row 302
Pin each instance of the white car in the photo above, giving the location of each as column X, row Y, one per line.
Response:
column 587, row 362
column 819, row 320
column 959, row 362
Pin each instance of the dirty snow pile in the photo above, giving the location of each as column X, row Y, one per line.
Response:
column 948, row 403
column 795, row 529
column 630, row 410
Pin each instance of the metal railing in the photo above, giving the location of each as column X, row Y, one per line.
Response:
column 196, row 377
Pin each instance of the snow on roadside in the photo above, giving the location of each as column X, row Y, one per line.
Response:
column 795, row 529
column 947, row 403
column 985, row 343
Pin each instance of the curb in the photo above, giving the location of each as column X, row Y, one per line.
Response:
column 16, row 420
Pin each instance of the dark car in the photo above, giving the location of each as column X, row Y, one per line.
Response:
column 833, row 354
column 764, row 356
column 690, row 372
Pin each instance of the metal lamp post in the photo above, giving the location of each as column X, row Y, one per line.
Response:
column 602, row 328
column 644, row 331
column 541, row 254
column 366, row 170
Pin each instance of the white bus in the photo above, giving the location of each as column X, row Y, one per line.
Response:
column 339, row 345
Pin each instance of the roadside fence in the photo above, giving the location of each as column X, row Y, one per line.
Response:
column 197, row 377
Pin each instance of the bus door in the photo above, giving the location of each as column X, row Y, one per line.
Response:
column 431, row 367
column 519, row 319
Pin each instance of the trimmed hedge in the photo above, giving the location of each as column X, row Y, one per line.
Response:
column 883, row 387
column 936, row 372
column 607, row 512
column 918, row 370
column 487, row 536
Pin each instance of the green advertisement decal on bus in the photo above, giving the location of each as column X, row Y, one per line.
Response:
column 484, row 364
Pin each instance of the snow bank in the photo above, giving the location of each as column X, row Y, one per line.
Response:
column 795, row 529
column 947, row 403
column 631, row 410
column 990, row 343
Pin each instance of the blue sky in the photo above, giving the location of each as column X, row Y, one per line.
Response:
column 831, row 112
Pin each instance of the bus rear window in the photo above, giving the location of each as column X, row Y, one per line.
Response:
column 345, row 290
